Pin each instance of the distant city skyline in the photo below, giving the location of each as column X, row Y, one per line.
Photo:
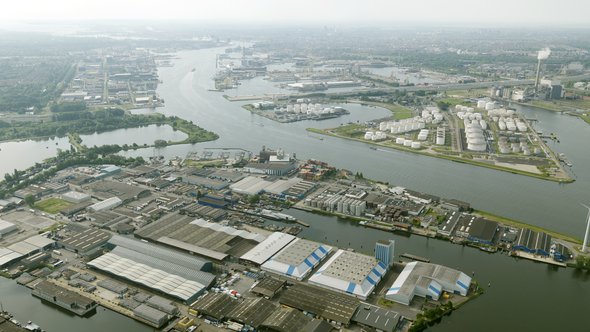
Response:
column 376, row 12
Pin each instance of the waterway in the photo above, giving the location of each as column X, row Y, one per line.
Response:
column 24, row 154
column 523, row 295
column 18, row 300
column 544, row 203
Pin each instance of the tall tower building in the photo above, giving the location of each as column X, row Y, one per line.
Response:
column 384, row 252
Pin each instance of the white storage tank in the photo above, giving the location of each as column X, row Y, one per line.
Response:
column 408, row 143
column 481, row 103
column 483, row 124
column 416, row 145
column 400, row 140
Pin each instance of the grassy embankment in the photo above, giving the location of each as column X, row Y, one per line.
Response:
column 398, row 112
column 356, row 131
column 512, row 222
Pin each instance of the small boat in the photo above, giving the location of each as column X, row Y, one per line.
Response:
column 193, row 70
column 373, row 148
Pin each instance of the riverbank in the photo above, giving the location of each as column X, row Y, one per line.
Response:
column 330, row 132
column 398, row 112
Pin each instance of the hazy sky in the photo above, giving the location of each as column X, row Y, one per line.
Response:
column 495, row 12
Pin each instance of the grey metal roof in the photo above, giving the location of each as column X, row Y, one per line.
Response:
column 378, row 318
column 286, row 320
column 322, row 302
column 216, row 305
column 253, row 311
column 159, row 252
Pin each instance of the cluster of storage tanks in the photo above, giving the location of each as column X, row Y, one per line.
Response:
column 440, row 136
column 487, row 104
column 408, row 143
column 506, row 146
column 375, row 135
column 475, row 138
column 423, row 134
column 507, row 120
column 470, row 117
column 402, row 126
column 309, row 109
column 432, row 115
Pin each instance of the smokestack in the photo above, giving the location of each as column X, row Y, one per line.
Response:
column 541, row 55
column 538, row 76
column 585, row 244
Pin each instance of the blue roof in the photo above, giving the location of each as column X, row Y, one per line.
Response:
column 432, row 288
column 351, row 287
column 462, row 284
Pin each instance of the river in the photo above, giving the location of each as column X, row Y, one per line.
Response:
column 523, row 295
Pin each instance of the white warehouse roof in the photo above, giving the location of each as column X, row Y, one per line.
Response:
column 250, row 185
column 425, row 279
column 107, row 204
column 6, row 227
column 147, row 276
column 7, row 256
column 267, row 248
column 351, row 273
column 297, row 259
column 229, row 230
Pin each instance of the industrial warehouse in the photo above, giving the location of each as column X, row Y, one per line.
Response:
column 351, row 273
column 297, row 259
column 200, row 237
column 182, row 276
column 427, row 280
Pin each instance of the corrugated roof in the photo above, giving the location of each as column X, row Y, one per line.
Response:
column 168, row 283
column 350, row 272
column 297, row 259
column 267, row 248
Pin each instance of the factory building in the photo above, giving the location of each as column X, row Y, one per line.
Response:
column 427, row 280
column 376, row 318
column 447, row 227
column 320, row 302
column 107, row 204
column 75, row 197
column 200, row 237
column 24, row 248
column 385, row 252
column 6, row 227
column 350, row 273
column 171, row 273
column 268, row 248
column 297, row 259
column 477, row 230
column 533, row 242
column 86, row 242
column 338, row 203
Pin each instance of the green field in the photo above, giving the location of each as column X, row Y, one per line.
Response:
column 52, row 205
column 399, row 112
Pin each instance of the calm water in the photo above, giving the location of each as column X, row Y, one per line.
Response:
column 19, row 301
column 24, row 154
column 524, row 295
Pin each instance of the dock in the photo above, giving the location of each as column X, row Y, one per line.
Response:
column 64, row 298
column 415, row 258
column 536, row 258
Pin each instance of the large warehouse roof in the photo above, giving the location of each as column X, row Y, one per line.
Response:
column 7, row 256
column 297, row 259
column 6, row 227
column 351, row 273
column 419, row 278
column 267, row 248
column 251, row 185
column 229, row 230
column 200, row 237
column 322, row 302
column 154, row 278
column 160, row 254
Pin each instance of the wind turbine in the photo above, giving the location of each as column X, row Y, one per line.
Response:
column 585, row 245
